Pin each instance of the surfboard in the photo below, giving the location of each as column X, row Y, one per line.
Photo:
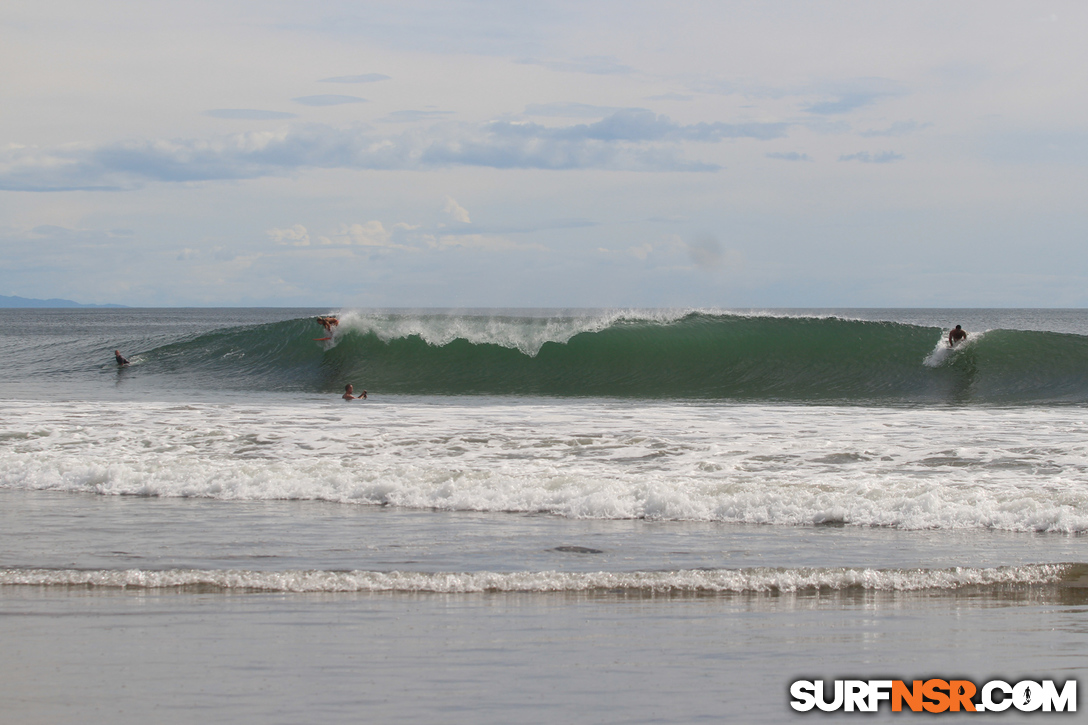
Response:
column 322, row 339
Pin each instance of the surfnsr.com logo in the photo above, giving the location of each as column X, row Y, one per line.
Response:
column 934, row 695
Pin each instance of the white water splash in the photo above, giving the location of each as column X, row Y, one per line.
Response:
column 943, row 354
column 525, row 333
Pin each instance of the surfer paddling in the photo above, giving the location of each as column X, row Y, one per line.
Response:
column 121, row 361
column 956, row 336
column 348, row 390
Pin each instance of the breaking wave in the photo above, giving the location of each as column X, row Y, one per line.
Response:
column 635, row 355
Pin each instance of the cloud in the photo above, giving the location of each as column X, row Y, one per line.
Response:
column 899, row 128
column 618, row 142
column 328, row 99
column 638, row 124
column 364, row 78
column 295, row 236
column 788, row 156
column 569, row 110
column 376, row 237
column 670, row 97
column 853, row 94
column 592, row 64
column 52, row 231
column 527, row 228
column 477, row 242
column 843, row 104
column 86, row 237
column 883, row 157
column 631, row 140
column 371, row 234
column 46, row 248
column 248, row 114
column 410, row 116
column 456, row 211
column 705, row 252
column 642, row 252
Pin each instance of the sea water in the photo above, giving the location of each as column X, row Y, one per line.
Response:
column 536, row 516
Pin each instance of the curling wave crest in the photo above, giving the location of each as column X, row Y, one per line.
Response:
column 624, row 354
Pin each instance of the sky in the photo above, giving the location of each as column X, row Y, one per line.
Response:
column 469, row 154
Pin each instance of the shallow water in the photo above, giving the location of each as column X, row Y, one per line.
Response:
column 107, row 656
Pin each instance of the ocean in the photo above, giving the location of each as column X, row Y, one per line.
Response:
column 536, row 516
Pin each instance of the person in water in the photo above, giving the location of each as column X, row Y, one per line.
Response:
column 348, row 390
column 956, row 336
column 328, row 322
column 121, row 361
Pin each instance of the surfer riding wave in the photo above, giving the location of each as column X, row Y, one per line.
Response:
column 956, row 336
column 328, row 322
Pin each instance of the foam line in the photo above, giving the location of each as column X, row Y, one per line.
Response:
column 755, row 580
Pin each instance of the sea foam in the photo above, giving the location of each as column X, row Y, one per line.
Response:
column 1010, row 469
column 756, row 580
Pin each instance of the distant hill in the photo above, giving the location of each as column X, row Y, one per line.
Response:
column 25, row 302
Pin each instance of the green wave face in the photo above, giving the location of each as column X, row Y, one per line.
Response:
column 699, row 356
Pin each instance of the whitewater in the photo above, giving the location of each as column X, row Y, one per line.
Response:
column 759, row 493
column 1019, row 469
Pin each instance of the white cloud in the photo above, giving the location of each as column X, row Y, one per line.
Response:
column 592, row 64
column 707, row 253
column 370, row 234
column 328, row 99
column 788, row 156
column 456, row 211
column 632, row 139
column 295, row 236
column 899, row 128
column 881, row 157
column 641, row 252
column 400, row 236
column 484, row 242
column 569, row 110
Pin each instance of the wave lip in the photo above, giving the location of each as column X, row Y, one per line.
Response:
column 754, row 580
column 526, row 334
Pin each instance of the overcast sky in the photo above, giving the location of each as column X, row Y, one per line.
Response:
column 546, row 154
